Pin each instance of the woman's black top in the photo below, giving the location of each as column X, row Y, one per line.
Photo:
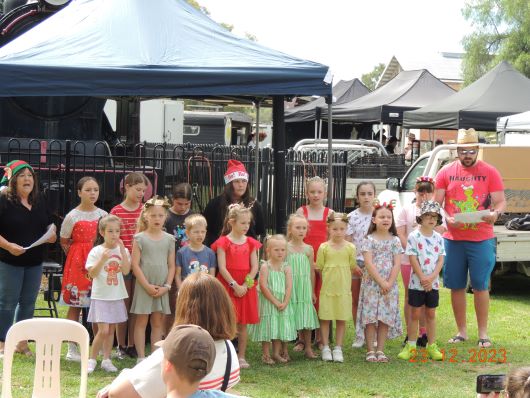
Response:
column 214, row 214
column 22, row 226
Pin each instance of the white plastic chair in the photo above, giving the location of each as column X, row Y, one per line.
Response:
column 48, row 334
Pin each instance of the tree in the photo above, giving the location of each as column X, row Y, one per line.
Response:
column 501, row 33
column 370, row 79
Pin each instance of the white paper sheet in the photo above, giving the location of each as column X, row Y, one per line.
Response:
column 472, row 217
column 52, row 230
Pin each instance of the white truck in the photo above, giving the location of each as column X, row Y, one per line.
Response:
column 513, row 163
column 357, row 151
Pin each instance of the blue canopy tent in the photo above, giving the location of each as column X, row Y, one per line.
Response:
column 147, row 48
column 163, row 48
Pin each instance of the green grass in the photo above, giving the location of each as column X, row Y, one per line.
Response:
column 509, row 329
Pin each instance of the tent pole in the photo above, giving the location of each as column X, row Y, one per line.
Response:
column 278, row 142
column 330, row 153
column 256, row 149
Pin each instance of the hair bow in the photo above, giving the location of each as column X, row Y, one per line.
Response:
column 425, row 179
column 389, row 205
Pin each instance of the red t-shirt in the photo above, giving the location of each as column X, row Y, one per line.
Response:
column 129, row 220
column 468, row 189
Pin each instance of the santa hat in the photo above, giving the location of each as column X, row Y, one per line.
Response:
column 235, row 171
column 13, row 168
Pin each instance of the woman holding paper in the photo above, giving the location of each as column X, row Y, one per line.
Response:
column 24, row 218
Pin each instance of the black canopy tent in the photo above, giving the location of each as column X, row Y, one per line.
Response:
column 307, row 120
column 500, row 92
column 138, row 48
column 408, row 90
column 343, row 91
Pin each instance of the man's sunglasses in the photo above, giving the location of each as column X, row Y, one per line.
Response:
column 467, row 152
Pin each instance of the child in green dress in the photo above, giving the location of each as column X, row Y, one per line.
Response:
column 276, row 316
column 301, row 260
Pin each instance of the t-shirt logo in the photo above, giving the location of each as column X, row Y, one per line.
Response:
column 468, row 205
column 180, row 236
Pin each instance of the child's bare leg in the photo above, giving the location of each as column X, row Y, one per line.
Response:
column 276, row 351
column 369, row 335
column 139, row 333
column 157, row 328
column 339, row 333
column 423, row 321
column 266, row 349
column 412, row 328
column 355, row 291
column 99, row 340
column 121, row 328
column 324, row 332
column 284, row 352
column 242, row 340
column 382, row 332
column 430, row 318
column 306, row 333
column 109, row 341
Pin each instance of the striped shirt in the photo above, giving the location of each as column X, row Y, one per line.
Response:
column 128, row 223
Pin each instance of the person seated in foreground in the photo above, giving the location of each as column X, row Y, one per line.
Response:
column 189, row 355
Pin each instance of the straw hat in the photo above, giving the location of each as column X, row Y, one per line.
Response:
column 467, row 137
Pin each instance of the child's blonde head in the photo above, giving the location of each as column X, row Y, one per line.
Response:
column 235, row 211
column 518, row 383
column 195, row 220
column 337, row 217
column 271, row 241
column 102, row 226
column 314, row 181
column 294, row 218
column 154, row 202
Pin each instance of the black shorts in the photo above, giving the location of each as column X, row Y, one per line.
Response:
column 419, row 298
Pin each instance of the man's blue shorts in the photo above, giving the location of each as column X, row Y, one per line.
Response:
column 464, row 255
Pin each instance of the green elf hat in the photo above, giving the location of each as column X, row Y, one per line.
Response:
column 13, row 168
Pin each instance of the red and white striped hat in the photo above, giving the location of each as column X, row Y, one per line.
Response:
column 235, row 171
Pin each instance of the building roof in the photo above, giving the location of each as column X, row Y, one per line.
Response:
column 446, row 66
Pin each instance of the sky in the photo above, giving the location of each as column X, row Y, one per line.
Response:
column 350, row 36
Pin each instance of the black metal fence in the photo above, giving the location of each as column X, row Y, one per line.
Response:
column 377, row 166
column 301, row 165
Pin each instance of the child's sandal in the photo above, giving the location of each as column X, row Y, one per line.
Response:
column 279, row 359
column 381, row 357
column 370, row 356
column 299, row 346
column 267, row 360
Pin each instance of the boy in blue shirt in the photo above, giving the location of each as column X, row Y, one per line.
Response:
column 195, row 256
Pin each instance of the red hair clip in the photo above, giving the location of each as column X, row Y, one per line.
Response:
column 425, row 179
column 390, row 205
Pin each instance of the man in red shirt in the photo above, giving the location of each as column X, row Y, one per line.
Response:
column 463, row 186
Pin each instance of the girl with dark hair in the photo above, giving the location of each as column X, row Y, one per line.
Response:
column 236, row 191
column 135, row 185
column 378, row 314
column 24, row 218
column 78, row 231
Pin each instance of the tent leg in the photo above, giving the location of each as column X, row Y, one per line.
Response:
column 256, row 149
column 330, row 153
column 280, row 183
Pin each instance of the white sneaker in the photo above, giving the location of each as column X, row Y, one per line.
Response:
column 357, row 344
column 108, row 366
column 337, row 355
column 326, row 354
column 92, row 363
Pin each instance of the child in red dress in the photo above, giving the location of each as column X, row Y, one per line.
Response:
column 316, row 214
column 237, row 261
column 78, row 232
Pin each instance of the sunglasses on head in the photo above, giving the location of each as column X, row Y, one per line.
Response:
column 467, row 151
